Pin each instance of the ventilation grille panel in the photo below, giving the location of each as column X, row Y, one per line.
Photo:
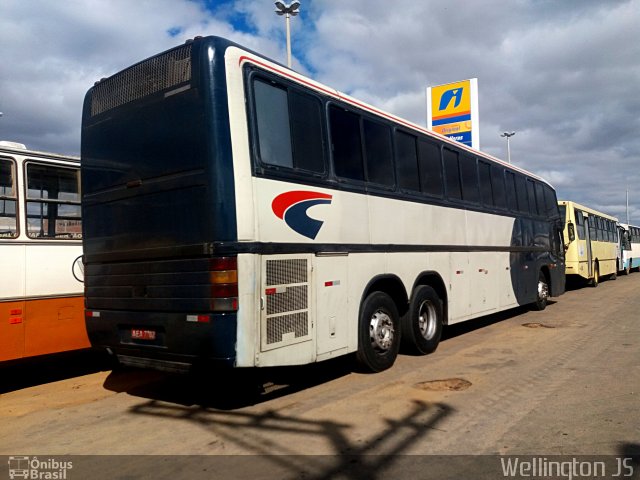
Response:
column 285, row 320
column 154, row 75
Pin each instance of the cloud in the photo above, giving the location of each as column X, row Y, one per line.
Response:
column 563, row 75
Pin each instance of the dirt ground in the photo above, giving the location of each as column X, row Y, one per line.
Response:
column 565, row 381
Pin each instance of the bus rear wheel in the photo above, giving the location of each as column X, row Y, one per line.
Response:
column 379, row 332
column 422, row 325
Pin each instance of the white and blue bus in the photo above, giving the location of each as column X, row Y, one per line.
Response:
column 629, row 248
column 237, row 212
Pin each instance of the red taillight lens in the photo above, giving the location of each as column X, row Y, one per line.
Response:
column 224, row 284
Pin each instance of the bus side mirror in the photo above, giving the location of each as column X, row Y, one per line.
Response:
column 572, row 232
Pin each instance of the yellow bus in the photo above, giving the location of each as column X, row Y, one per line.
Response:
column 591, row 242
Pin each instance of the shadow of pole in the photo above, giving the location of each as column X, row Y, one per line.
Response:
column 269, row 434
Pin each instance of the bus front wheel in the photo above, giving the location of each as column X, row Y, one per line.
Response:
column 542, row 293
column 379, row 332
column 422, row 325
column 596, row 276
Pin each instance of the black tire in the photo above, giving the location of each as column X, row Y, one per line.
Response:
column 542, row 293
column 422, row 325
column 595, row 281
column 378, row 332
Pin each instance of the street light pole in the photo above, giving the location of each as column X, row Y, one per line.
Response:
column 508, row 135
column 288, row 11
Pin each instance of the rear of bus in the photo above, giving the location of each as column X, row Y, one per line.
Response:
column 159, row 207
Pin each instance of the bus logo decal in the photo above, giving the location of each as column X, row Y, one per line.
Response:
column 292, row 208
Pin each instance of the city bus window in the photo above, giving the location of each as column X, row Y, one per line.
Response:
column 53, row 202
column 407, row 162
column 579, row 224
column 378, row 152
column 8, row 199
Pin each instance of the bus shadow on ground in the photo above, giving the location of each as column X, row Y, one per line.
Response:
column 226, row 389
column 30, row 372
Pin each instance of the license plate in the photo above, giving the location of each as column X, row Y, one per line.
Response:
column 141, row 334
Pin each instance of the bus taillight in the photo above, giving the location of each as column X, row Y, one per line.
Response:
column 224, row 284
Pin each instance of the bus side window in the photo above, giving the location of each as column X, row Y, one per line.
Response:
column 452, row 174
column 580, row 233
column 497, row 184
column 8, row 199
column 469, row 175
column 521, row 190
column 346, row 143
column 407, row 162
column 53, row 202
column 486, row 190
column 512, row 199
column 430, row 167
column 378, row 152
column 272, row 115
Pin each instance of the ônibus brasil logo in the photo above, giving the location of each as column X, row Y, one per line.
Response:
column 292, row 208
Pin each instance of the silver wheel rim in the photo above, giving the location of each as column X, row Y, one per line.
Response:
column 427, row 320
column 381, row 331
column 543, row 291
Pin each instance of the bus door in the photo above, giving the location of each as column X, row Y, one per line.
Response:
column 588, row 228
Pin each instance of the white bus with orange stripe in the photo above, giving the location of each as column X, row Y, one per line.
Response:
column 41, row 297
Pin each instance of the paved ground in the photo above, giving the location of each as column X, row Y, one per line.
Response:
column 568, row 383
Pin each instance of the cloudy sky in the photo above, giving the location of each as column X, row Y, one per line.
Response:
column 563, row 74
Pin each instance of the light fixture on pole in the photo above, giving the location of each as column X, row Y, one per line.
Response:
column 288, row 11
column 508, row 135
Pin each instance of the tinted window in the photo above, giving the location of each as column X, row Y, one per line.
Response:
column 378, row 151
column 272, row 115
column 53, row 202
column 521, row 190
column 345, row 143
column 550, row 201
column 486, row 192
column 8, row 199
column 407, row 161
column 531, row 194
column 510, row 181
column 542, row 210
column 497, row 183
column 452, row 173
column 469, row 174
column 306, row 129
column 430, row 168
